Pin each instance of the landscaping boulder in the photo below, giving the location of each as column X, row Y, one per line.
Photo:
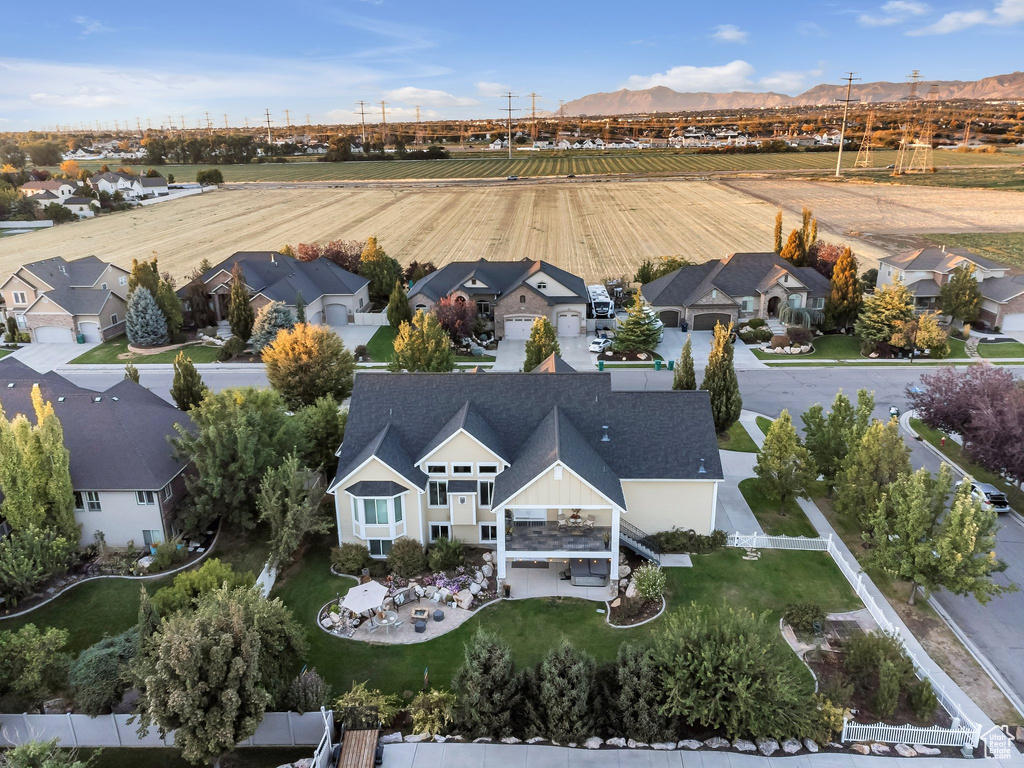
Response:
column 511, row 740
column 535, row 740
column 880, row 749
column 445, row 594
column 391, row 738
column 805, row 349
column 593, row 743
column 488, row 570
column 717, row 742
column 624, row 570
column 617, row 741
column 429, row 591
column 861, row 749
column 306, row 762
column 483, row 740
column 810, row 745
column 790, row 746
column 634, row 744
column 664, row 746
column 475, row 588
column 921, row 749
column 623, row 583
column 689, row 744
column 488, row 557
column 440, row 739
column 55, row 707
column 478, row 577
column 744, row 746
column 767, row 747
column 631, row 590
column 904, row 751
column 415, row 738
column 464, row 599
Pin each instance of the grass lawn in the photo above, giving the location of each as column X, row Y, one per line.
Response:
column 164, row 757
column 532, row 627
column 115, row 352
column 1005, row 349
column 954, row 451
column 382, row 348
column 764, row 423
column 737, row 439
column 790, row 521
column 244, row 551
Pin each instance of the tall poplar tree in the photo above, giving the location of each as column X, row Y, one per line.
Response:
column 685, row 376
column 720, row 380
column 845, row 293
column 240, row 313
column 489, row 689
column 187, row 388
column 778, row 231
column 543, row 343
column 793, row 251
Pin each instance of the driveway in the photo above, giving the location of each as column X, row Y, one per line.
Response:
column 700, row 343
column 355, row 335
column 46, row 357
column 511, row 353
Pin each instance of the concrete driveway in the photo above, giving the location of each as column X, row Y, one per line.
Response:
column 355, row 335
column 700, row 343
column 511, row 353
column 46, row 357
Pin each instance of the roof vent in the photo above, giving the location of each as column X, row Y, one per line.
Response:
column 114, row 399
column 60, row 399
column 604, row 437
column 97, row 399
column 10, row 385
column 702, row 471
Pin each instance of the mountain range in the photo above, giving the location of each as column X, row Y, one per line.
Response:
column 663, row 99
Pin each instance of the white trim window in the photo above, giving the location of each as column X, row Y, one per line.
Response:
column 145, row 498
column 488, row 533
column 379, row 548
column 167, row 492
column 152, row 538
column 113, row 319
column 378, row 511
column 20, row 298
column 79, row 502
column 122, row 281
column 375, row 512
column 487, row 469
column 462, row 469
column 486, row 492
column 92, row 501
column 440, row 531
column 437, row 493
column 437, row 469
column 747, row 304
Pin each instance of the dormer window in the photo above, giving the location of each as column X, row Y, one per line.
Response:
column 542, row 286
column 472, row 281
column 714, row 293
column 785, row 278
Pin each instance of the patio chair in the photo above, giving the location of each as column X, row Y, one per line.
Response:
column 436, row 597
column 590, row 521
column 372, row 626
column 562, row 522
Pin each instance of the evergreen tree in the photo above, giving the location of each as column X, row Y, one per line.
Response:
column 566, row 681
column 639, row 332
column 12, row 328
column 54, row 469
column 399, row 310
column 872, row 465
column 170, row 306
column 300, row 308
column 307, row 362
column 322, row 426
column 685, row 376
column 289, row 503
column 639, row 697
column 270, row 319
column 204, row 266
column 808, row 231
column 144, row 274
column 286, row 250
column 187, row 388
column 778, row 231
column 882, row 314
column 543, row 343
column 830, row 438
column 240, row 313
column 144, row 323
column 845, row 292
column 784, row 467
column 422, row 345
column 793, row 251
column 961, row 297
column 131, row 372
column 644, row 273
column 148, row 621
column 488, row 688
column 720, row 381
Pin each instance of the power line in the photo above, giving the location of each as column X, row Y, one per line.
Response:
column 509, row 110
column 846, row 109
column 533, row 114
column 362, row 118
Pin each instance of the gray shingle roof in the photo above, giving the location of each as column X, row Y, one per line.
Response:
column 282, row 278
column 375, row 488
column 469, row 419
column 116, row 443
column 77, row 301
column 924, row 288
column 1002, row 289
column 499, row 277
column 938, row 259
column 78, row 273
column 462, row 486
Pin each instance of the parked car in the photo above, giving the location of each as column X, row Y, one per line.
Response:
column 570, row 176
column 512, row 178
column 991, row 498
column 600, row 345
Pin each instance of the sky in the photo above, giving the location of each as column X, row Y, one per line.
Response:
column 73, row 63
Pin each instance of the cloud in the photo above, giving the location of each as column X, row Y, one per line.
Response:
column 726, row 77
column 491, row 90
column 90, row 26
column 730, row 33
column 810, row 29
column 648, row 43
column 428, row 98
column 895, row 12
column 1004, row 13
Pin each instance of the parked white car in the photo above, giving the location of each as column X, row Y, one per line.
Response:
column 991, row 498
column 600, row 345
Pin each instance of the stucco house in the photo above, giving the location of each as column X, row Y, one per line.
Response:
column 512, row 293
column 331, row 294
column 54, row 299
column 59, row 188
column 925, row 270
column 129, row 186
column 126, row 480
column 551, row 465
column 740, row 286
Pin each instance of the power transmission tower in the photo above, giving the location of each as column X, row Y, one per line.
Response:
column 899, row 167
column 225, row 121
column 138, row 125
column 384, row 123
column 921, row 161
column 864, row 153
column 846, row 109
column 419, row 126
column 558, row 122
column 247, row 123
column 533, row 115
column 269, row 138
column 913, row 79
column 170, row 123
column 362, row 117
column 116, row 128
column 209, row 125
column 509, row 110
column 182, row 117
column 967, row 132
column 149, row 124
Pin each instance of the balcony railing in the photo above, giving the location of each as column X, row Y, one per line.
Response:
column 549, row 537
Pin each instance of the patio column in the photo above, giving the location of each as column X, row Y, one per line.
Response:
column 614, row 545
column 499, row 516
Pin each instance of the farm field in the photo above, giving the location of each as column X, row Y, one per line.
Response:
column 1007, row 247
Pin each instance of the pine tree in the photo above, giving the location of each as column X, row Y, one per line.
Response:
column 882, row 314
column 961, row 297
column 131, row 372
column 845, row 292
column 380, row 269
column 872, row 465
column 240, row 313
column 422, row 345
column 808, row 230
column 148, row 621
column 144, row 323
column 793, row 251
column 566, row 682
column 720, row 381
column 488, row 688
column 271, row 318
column 640, row 331
column 289, row 504
column 322, row 426
column 778, row 231
column 399, row 310
column 639, row 698
column 543, row 343
column 300, row 308
column 784, row 467
column 685, row 376
column 187, row 388
column 170, row 306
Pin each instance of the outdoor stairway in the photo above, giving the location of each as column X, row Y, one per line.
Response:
column 776, row 327
column 633, row 538
column 224, row 330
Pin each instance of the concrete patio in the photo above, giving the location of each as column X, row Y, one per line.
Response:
column 527, row 582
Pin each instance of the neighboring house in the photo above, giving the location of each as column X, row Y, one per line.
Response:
column 926, row 270
column 129, row 186
column 512, row 293
column 83, row 207
column 728, row 290
column 58, row 188
column 495, row 459
column 155, row 186
column 332, row 295
column 126, row 480
column 54, row 299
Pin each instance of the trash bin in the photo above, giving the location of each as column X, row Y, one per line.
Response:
column 81, row 338
column 657, row 365
column 600, row 365
column 508, row 590
column 671, row 365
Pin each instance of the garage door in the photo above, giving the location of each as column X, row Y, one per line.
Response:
column 337, row 314
column 1013, row 322
column 91, row 331
column 709, row 320
column 518, row 327
column 669, row 317
column 50, row 334
column 569, row 324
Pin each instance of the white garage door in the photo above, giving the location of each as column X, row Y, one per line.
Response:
column 337, row 314
column 1013, row 322
column 568, row 324
column 91, row 331
column 50, row 334
column 518, row 327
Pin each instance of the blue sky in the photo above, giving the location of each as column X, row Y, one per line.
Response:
column 78, row 63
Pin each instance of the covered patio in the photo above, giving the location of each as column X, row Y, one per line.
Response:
column 545, row 579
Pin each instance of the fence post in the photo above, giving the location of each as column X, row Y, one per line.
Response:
column 71, row 725
column 842, row 738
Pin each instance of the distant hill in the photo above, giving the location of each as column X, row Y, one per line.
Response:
column 662, row 99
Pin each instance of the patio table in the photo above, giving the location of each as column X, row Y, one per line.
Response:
column 576, row 521
column 389, row 620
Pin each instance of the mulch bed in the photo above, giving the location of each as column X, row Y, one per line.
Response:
column 649, row 610
column 627, row 357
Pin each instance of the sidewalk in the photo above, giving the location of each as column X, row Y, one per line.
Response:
column 734, row 514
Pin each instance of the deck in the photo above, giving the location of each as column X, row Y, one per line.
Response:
column 358, row 749
column 548, row 537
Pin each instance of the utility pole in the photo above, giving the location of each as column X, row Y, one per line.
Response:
column 509, row 110
column 182, row 123
column 846, row 108
column 225, row 121
column 287, row 120
column 419, row 130
column 269, row 138
column 558, row 122
column 533, row 115
column 362, row 118
column 117, row 129
column 384, row 123
column 138, row 125
column 170, row 124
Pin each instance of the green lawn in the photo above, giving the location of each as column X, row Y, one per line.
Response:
column 382, row 348
column 764, row 423
column 737, row 439
column 244, row 551
column 531, row 627
column 164, row 757
column 1005, row 349
column 789, row 521
column 115, row 352
column 1004, row 247
column 4, row 352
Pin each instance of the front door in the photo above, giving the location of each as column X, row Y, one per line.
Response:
column 773, row 306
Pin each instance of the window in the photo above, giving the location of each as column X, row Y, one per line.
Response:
column 145, row 497
column 379, row 547
column 785, row 278
column 19, row 297
column 375, row 511
column 747, row 304
column 542, row 286
column 167, row 492
column 437, row 469
column 113, row 319
column 819, row 303
column 422, row 307
column 152, row 538
column 487, row 469
column 888, row 273
column 437, row 494
column 522, row 298
column 22, row 323
column 92, row 501
column 397, row 502
column 79, row 501
column 103, row 286
column 440, row 531
column 714, row 293
column 483, row 307
column 488, row 532
column 462, row 469
column 122, row 280
column 486, row 492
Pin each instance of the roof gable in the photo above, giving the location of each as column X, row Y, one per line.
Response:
column 469, row 422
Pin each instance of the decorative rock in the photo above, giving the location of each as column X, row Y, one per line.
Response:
column 456, row 737
column 880, row 749
column 593, row 743
column 483, row 740
column 429, row 591
column 391, row 738
column 55, row 707
column 306, row 762
column 488, row 557
column 622, row 558
column 535, row 740
column 744, row 746
column 415, row 738
column 440, row 739
column 487, row 570
column 810, row 745
column 767, row 747
column 717, row 742
column 804, row 349
column 616, row 602
column 625, row 570
column 623, row 583
column 790, row 746
column 631, row 590
column 861, row 749
column 904, row 751
column 475, row 588
column 572, row 745
column 689, row 744
column 445, row 594
column 835, row 745
column 511, row 740
column 617, row 741
column 664, row 745
column 921, row 749
column 633, row 744
column 464, row 599
column 478, row 577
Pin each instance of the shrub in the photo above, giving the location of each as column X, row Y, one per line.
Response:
column 210, row 330
column 223, row 354
column 838, row 690
column 188, row 586
column 748, row 336
column 307, row 692
column 887, row 694
column 361, row 352
column 99, row 676
column 378, row 569
column 566, row 681
column 921, row 699
column 828, row 720
column 235, row 346
column 209, row 176
column 351, row 558
column 407, row 558
column 432, row 711
column 629, row 608
column 803, row 616
column 168, row 553
column 650, row 581
column 359, row 696
column 488, row 687
column 779, row 340
column 446, row 555
column 636, row 699
column 764, row 334
column 756, row 322
column 798, row 335
column 687, row 540
column 865, row 654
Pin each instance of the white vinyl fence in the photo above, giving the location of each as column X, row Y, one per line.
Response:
column 370, row 318
column 963, row 731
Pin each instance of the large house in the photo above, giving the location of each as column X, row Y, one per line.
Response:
column 926, row 270
column 551, row 465
column 126, row 480
column 59, row 189
column 54, row 300
column 130, row 186
column 512, row 293
column 740, row 286
column 332, row 295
